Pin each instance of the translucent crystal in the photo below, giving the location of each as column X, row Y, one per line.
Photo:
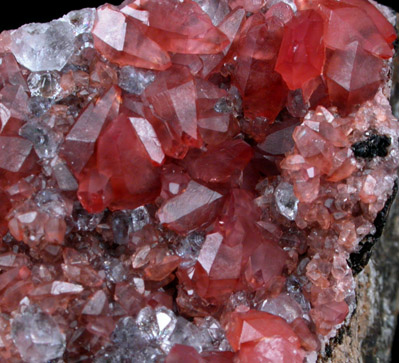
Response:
column 186, row 333
column 156, row 325
column 140, row 218
column 66, row 181
column 38, row 105
column 81, row 20
column 44, row 84
column 217, row 10
column 10, row 158
column 120, row 227
column 129, row 344
column 37, row 336
column 135, row 80
column 283, row 306
column 114, row 270
column 214, row 334
column 44, row 140
column 51, row 202
column 86, row 221
column 294, row 290
column 124, row 223
column 286, row 201
column 189, row 248
column 127, row 333
column 43, row 47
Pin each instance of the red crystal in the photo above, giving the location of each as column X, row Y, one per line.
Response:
column 194, row 207
column 262, row 337
column 186, row 30
column 301, row 55
column 80, row 141
column 263, row 90
column 129, row 43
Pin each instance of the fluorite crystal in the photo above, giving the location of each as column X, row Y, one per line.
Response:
column 185, row 180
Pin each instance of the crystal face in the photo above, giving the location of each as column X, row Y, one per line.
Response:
column 185, row 180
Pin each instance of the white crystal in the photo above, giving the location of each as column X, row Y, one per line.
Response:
column 37, row 336
column 134, row 80
column 188, row 248
column 111, row 28
column 186, row 333
column 81, row 20
column 287, row 202
column 140, row 218
column 43, row 47
column 213, row 334
column 157, row 325
column 284, row 306
column 45, row 141
column 44, row 84
column 62, row 287
column 217, row 10
column 65, row 180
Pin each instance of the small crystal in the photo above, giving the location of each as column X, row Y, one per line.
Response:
column 37, row 336
column 135, row 80
column 286, row 200
column 187, row 333
column 44, row 84
column 283, row 306
column 140, row 218
column 64, row 177
column 81, row 20
column 45, row 141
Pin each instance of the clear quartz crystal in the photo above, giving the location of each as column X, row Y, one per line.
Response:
column 284, row 306
column 81, row 20
column 217, row 10
column 43, row 47
column 44, row 84
column 287, row 202
column 130, row 344
column 135, row 80
column 140, row 218
column 37, row 336
column 45, row 141
column 214, row 334
column 124, row 223
column 186, row 333
column 188, row 248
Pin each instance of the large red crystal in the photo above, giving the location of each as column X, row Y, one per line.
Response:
column 123, row 167
column 262, row 337
column 302, row 52
column 189, row 183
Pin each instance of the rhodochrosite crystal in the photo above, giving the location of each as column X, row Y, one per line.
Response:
column 185, row 180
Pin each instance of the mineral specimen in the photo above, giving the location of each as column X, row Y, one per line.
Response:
column 187, row 180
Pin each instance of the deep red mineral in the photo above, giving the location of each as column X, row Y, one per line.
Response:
column 185, row 180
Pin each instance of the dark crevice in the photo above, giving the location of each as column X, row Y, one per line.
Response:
column 358, row 260
column 374, row 145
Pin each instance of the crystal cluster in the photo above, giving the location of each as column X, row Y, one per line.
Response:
column 184, row 181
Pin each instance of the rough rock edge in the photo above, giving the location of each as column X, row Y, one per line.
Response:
column 368, row 333
column 366, row 274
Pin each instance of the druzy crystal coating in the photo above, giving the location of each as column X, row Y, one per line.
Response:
column 184, row 181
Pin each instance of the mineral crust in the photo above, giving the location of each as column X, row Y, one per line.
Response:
column 186, row 180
